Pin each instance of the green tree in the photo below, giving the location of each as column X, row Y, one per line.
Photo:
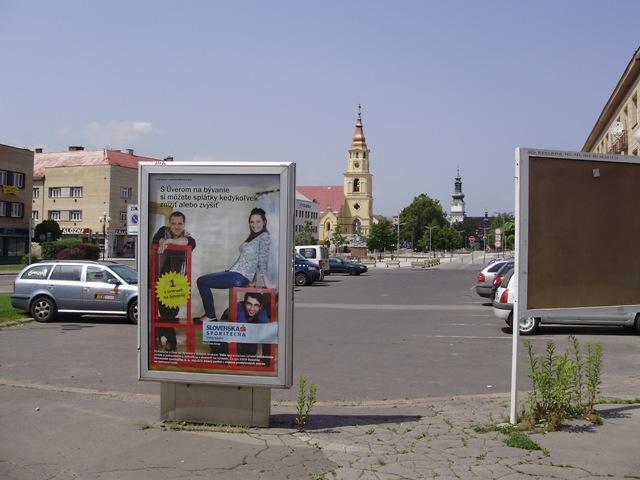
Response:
column 506, row 222
column 446, row 238
column 47, row 231
column 337, row 238
column 381, row 236
column 306, row 236
column 422, row 211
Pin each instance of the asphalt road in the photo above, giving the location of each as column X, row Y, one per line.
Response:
column 389, row 334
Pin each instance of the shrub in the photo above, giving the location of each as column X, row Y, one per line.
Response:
column 70, row 249
column 30, row 258
column 563, row 386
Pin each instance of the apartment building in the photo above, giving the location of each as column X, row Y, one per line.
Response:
column 617, row 128
column 87, row 192
column 306, row 211
column 16, row 173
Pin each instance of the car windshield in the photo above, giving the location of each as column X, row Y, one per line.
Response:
column 128, row 274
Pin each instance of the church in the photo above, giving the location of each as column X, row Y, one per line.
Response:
column 349, row 205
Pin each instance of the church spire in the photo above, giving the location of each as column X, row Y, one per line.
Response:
column 359, row 141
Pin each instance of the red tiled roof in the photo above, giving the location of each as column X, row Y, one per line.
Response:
column 85, row 158
column 328, row 198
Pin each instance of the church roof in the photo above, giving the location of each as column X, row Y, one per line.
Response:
column 328, row 197
column 359, row 141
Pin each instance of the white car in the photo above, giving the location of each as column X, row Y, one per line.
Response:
column 503, row 308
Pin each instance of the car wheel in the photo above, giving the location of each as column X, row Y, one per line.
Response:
column 301, row 279
column 637, row 324
column 43, row 309
column 528, row 325
column 132, row 312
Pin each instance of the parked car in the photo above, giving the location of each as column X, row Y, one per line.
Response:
column 49, row 287
column 306, row 272
column 500, row 274
column 340, row 265
column 318, row 255
column 503, row 308
column 487, row 275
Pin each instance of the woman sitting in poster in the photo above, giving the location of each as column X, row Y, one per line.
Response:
column 248, row 269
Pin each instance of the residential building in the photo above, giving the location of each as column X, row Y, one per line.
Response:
column 349, row 205
column 306, row 211
column 617, row 128
column 87, row 192
column 16, row 176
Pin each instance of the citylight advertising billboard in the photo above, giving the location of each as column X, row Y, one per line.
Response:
column 215, row 256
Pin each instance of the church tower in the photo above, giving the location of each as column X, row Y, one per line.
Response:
column 457, row 201
column 358, row 187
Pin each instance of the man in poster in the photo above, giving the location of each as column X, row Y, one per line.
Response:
column 252, row 310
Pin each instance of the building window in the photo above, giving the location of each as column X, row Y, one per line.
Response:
column 328, row 224
column 36, row 192
column 635, row 112
column 125, row 192
column 54, row 192
column 17, row 209
column 123, row 216
column 3, row 209
column 18, row 179
column 76, row 191
column 75, row 215
column 356, row 185
column 54, row 214
column 3, row 177
column 34, row 214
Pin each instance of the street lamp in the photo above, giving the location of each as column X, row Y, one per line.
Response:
column 431, row 228
column 398, row 243
column 104, row 220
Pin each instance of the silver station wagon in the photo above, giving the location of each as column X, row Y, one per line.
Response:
column 76, row 286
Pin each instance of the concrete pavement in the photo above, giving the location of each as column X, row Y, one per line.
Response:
column 51, row 432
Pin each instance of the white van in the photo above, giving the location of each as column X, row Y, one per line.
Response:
column 318, row 255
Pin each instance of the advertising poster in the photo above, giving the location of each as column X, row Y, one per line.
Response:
column 215, row 273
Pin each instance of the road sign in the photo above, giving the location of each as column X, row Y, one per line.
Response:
column 133, row 219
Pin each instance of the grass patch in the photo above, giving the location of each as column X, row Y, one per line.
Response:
column 11, row 268
column 520, row 440
column 9, row 315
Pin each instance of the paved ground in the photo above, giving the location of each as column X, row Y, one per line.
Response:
column 71, row 408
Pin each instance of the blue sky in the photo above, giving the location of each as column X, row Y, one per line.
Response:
column 442, row 84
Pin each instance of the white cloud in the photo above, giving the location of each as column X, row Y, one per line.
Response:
column 117, row 133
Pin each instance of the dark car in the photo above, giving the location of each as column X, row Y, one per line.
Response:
column 500, row 276
column 306, row 272
column 339, row 265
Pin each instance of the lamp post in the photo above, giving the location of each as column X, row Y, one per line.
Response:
column 431, row 228
column 104, row 220
column 398, row 241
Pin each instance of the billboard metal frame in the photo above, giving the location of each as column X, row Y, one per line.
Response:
column 286, row 174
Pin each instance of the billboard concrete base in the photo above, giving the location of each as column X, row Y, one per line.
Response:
column 228, row 405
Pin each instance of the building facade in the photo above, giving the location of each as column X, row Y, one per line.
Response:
column 617, row 128
column 306, row 211
column 16, row 176
column 349, row 205
column 457, row 212
column 87, row 192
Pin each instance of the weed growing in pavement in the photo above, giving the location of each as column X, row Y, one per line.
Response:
column 304, row 405
column 203, row 427
column 618, row 401
column 371, row 431
column 564, row 385
column 520, row 440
